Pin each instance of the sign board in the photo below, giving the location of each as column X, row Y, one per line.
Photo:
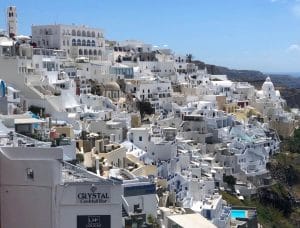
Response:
column 93, row 221
column 93, row 194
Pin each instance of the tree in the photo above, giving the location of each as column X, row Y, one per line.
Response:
column 230, row 180
column 145, row 108
column 80, row 157
column 119, row 59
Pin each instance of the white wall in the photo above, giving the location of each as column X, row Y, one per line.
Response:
column 69, row 208
column 147, row 202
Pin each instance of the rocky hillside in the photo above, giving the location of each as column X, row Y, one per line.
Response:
column 289, row 86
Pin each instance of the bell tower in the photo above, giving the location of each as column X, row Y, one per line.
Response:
column 12, row 21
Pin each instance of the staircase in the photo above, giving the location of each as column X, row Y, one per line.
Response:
column 124, row 212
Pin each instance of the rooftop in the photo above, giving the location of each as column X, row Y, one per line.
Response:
column 191, row 220
column 76, row 174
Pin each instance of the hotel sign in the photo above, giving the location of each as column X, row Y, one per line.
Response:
column 94, row 194
column 93, row 221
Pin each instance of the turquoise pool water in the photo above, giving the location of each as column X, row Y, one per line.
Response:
column 238, row 214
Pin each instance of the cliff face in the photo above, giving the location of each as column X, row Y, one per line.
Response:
column 289, row 86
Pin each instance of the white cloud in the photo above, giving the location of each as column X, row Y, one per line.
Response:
column 293, row 47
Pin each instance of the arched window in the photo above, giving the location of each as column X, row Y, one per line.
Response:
column 78, row 33
column 95, row 52
column 88, row 33
column 83, row 43
column 93, row 43
column 73, row 32
column 68, row 43
column 78, row 42
column 88, row 43
column 83, row 33
column 99, row 52
column 93, row 34
column 80, row 52
column 64, row 42
column 98, row 35
column 85, row 52
column 73, row 42
column 90, row 52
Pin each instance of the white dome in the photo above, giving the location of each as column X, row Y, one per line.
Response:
column 268, row 89
column 268, row 84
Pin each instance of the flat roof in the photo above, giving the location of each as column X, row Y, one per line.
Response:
column 28, row 121
column 191, row 220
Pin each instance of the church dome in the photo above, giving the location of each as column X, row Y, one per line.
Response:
column 268, row 88
column 268, row 85
column 112, row 86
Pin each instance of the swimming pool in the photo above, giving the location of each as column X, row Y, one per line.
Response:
column 238, row 214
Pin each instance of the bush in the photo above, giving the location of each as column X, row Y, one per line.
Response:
column 79, row 157
column 230, row 180
column 145, row 108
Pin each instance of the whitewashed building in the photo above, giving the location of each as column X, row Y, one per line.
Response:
column 75, row 40
column 43, row 191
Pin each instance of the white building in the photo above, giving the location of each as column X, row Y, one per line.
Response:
column 43, row 191
column 159, row 143
column 155, row 90
column 139, row 196
column 75, row 40
column 9, row 99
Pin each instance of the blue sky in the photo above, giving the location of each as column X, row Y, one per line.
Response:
column 242, row 34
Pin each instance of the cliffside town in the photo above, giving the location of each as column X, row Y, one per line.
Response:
column 106, row 133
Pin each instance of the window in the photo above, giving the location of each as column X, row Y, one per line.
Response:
column 83, row 33
column 93, row 43
column 80, row 52
column 83, row 43
column 93, row 34
column 78, row 33
column 88, row 43
column 90, row 52
column 95, row 52
column 88, row 34
column 73, row 42
column 140, row 138
column 30, row 173
column 78, row 42
column 73, row 32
